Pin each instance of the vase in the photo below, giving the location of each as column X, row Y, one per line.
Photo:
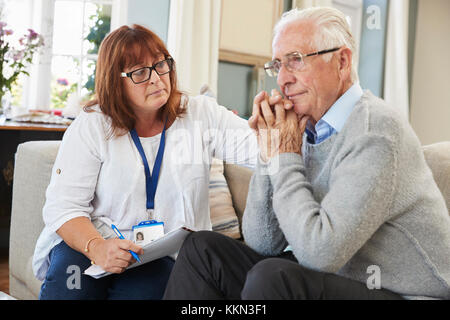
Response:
column 5, row 105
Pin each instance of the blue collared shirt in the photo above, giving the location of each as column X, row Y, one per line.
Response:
column 334, row 120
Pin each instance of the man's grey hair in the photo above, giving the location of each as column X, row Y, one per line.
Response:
column 332, row 31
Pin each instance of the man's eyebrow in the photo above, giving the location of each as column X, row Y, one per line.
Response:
column 287, row 54
column 296, row 52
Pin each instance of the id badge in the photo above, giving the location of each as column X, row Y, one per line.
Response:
column 147, row 231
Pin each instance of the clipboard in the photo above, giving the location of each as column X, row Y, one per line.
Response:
column 167, row 245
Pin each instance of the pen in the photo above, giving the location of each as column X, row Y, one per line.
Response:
column 134, row 254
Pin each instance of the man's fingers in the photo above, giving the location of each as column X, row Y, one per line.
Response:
column 280, row 113
column 259, row 97
column 256, row 122
column 257, row 101
column 288, row 104
column 260, row 123
column 267, row 113
column 275, row 98
column 253, row 123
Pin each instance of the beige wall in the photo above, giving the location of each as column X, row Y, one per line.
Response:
column 430, row 97
column 246, row 25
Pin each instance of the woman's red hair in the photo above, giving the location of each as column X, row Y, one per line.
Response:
column 123, row 48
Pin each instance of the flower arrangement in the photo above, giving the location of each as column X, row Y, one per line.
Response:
column 14, row 60
column 61, row 91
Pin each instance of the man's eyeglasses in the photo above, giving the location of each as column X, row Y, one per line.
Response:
column 144, row 74
column 293, row 62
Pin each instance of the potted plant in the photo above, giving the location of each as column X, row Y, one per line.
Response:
column 15, row 60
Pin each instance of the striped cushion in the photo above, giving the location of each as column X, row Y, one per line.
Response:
column 223, row 216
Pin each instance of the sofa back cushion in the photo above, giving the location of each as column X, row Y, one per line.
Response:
column 438, row 159
column 238, row 179
column 223, row 215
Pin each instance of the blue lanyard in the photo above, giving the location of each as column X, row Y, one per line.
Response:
column 151, row 180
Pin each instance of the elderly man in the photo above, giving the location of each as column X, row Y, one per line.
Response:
column 342, row 204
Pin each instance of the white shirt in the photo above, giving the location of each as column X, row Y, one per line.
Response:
column 99, row 177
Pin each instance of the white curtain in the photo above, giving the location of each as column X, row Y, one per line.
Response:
column 396, row 92
column 193, row 41
column 302, row 4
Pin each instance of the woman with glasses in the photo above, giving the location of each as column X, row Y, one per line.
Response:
column 140, row 151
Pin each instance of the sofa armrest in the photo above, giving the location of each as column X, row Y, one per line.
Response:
column 32, row 172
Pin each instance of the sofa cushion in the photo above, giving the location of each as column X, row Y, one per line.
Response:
column 438, row 159
column 223, row 215
column 238, row 180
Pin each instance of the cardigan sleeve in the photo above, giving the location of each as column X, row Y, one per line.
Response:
column 260, row 226
column 325, row 235
column 75, row 172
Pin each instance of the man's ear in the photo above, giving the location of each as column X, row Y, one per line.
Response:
column 345, row 63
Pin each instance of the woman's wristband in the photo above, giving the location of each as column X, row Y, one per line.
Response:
column 86, row 247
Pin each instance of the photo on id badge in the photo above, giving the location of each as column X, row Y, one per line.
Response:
column 147, row 231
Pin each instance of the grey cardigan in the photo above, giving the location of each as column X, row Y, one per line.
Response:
column 364, row 197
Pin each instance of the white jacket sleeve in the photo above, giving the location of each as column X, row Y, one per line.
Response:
column 75, row 172
column 232, row 139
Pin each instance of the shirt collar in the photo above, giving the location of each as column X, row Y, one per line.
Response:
column 335, row 118
column 339, row 112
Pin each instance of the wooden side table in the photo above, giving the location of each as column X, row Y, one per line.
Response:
column 11, row 135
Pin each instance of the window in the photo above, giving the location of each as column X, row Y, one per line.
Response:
column 17, row 14
column 73, row 31
column 79, row 27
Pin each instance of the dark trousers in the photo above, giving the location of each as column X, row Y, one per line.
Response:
column 65, row 279
column 212, row 266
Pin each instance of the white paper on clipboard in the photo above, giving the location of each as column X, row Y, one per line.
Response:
column 167, row 245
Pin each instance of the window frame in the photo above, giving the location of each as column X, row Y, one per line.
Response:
column 37, row 87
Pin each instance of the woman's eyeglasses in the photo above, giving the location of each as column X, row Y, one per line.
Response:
column 144, row 74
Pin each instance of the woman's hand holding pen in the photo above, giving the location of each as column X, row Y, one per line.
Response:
column 112, row 255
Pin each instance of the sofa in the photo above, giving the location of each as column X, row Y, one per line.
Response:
column 33, row 166
column 32, row 171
